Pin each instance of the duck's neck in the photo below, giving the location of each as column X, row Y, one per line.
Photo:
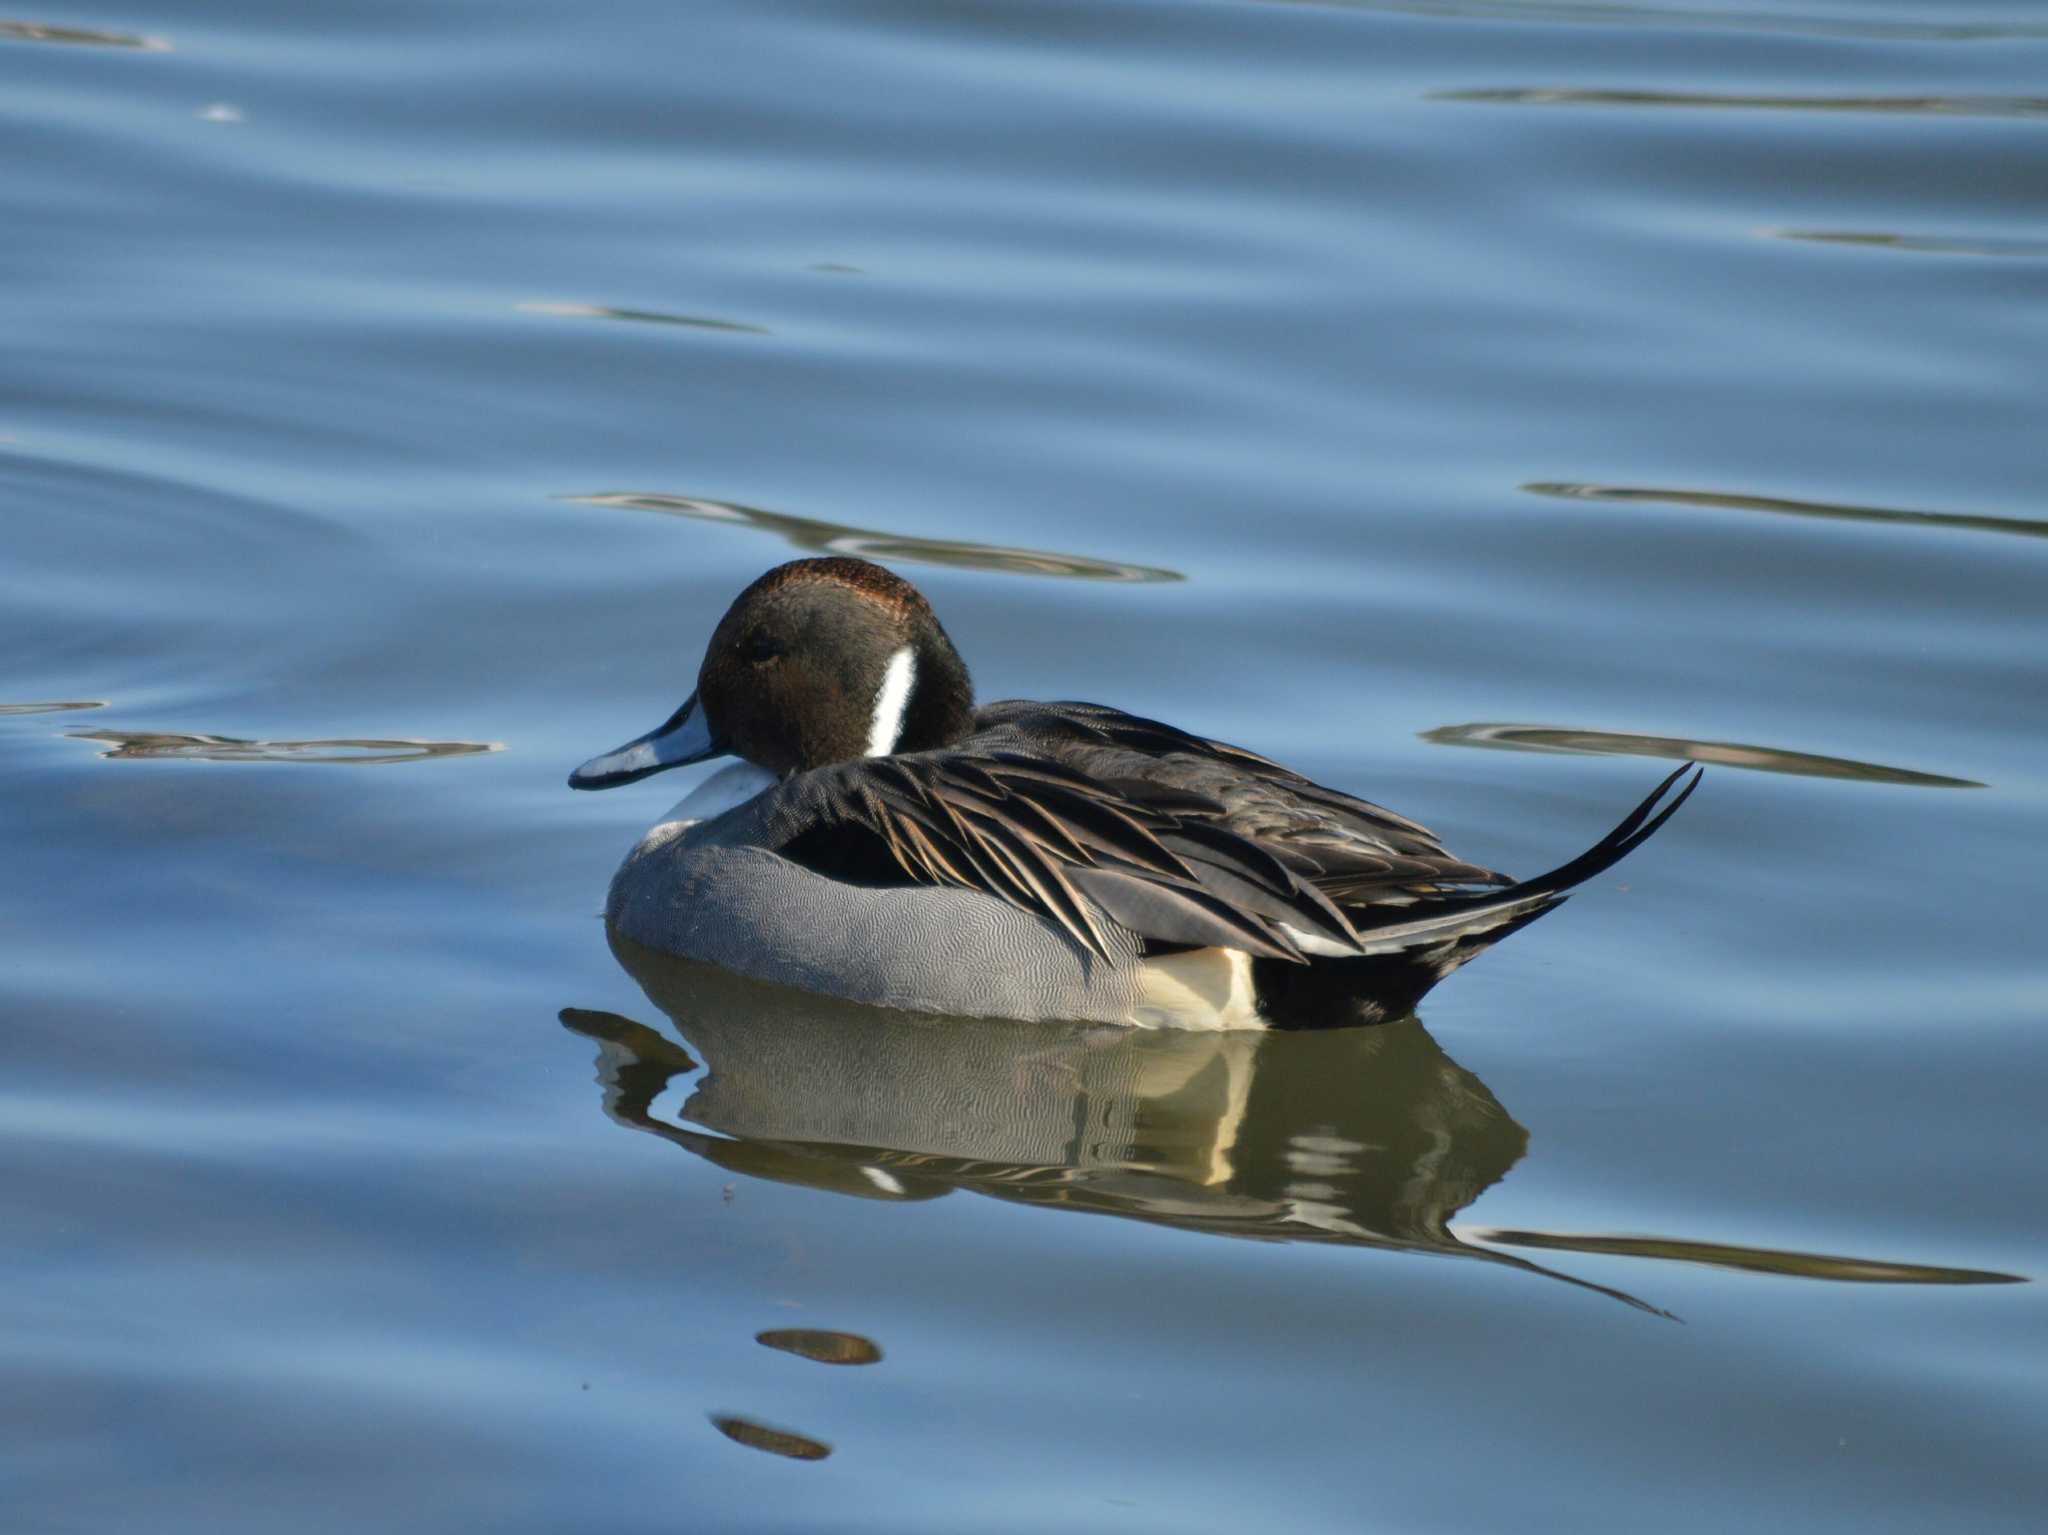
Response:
column 940, row 708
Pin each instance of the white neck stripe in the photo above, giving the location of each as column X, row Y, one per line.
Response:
column 897, row 680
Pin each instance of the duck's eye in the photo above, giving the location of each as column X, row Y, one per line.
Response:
column 762, row 647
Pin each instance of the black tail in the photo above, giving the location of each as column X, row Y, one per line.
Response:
column 1403, row 958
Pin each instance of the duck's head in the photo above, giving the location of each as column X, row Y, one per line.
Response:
column 819, row 661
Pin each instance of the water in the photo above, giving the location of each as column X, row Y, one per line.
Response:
column 394, row 396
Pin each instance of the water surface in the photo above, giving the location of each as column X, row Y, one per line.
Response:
column 396, row 395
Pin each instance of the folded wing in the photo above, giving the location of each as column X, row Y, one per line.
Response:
column 1086, row 816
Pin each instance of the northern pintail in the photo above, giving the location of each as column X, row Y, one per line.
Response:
column 883, row 840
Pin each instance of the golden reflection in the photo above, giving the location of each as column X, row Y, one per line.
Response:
column 1916, row 106
column 1940, row 245
column 88, row 37
column 205, row 748
column 644, row 316
column 1572, row 490
column 1616, row 743
column 775, row 1441
column 1361, row 1137
column 53, row 707
column 821, row 1345
column 816, row 537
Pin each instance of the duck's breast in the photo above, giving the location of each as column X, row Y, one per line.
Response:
column 693, row 892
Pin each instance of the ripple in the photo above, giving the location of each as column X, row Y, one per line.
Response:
column 1614, row 743
column 1751, row 1260
column 131, row 744
column 52, row 708
column 87, row 37
column 642, row 316
column 1676, row 16
column 1940, row 245
column 816, row 537
column 775, row 1441
column 1733, row 501
column 822, row 1345
column 1910, row 106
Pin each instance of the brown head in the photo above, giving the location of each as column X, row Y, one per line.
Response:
column 819, row 661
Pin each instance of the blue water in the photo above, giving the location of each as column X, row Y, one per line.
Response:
column 1475, row 405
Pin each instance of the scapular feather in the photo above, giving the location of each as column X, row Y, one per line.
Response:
column 1181, row 915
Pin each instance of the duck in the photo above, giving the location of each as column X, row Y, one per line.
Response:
column 882, row 839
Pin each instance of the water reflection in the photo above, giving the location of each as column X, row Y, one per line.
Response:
column 1364, row 1137
column 205, row 748
column 1939, row 245
column 1616, row 743
column 53, row 707
column 1594, row 14
column 1752, row 1260
column 644, row 316
column 1911, row 106
column 817, row 537
column 821, row 1345
column 88, row 37
column 773, row 1441
column 1580, row 490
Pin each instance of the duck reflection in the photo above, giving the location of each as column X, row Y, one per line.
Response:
column 1368, row 1137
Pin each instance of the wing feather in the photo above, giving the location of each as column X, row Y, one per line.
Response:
column 1183, row 915
column 1091, row 818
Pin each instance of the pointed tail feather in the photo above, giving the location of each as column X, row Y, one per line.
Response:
column 1474, row 915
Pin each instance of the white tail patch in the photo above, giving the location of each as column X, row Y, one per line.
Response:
column 898, row 678
column 1197, row 989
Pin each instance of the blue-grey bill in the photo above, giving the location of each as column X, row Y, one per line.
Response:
column 684, row 737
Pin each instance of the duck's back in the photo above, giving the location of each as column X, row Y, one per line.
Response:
column 1359, row 853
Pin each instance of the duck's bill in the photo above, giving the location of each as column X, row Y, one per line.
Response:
column 684, row 738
